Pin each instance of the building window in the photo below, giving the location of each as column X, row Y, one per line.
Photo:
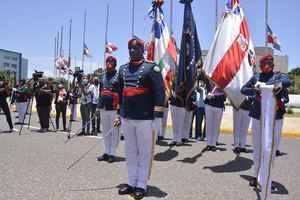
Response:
column 6, row 57
column 6, row 65
column 14, row 65
column 14, row 58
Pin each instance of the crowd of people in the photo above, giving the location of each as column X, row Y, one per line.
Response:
column 137, row 99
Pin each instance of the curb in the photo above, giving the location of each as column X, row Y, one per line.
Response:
column 288, row 134
column 284, row 133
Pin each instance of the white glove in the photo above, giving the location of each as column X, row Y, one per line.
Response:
column 156, row 124
column 258, row 84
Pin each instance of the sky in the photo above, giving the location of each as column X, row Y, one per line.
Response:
column 30, row 27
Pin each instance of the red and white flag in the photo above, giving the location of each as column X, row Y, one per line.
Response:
column 86, row 51
column 110, row 48
column 231, row 58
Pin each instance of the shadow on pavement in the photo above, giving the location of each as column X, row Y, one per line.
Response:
column 193, row 159
column 236, row 165
column 167, row 155
column 279, row 188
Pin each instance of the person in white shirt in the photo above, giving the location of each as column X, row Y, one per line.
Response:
column 86, row 105
column 95, row 88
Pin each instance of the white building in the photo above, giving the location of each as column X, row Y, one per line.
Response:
column 13, row 62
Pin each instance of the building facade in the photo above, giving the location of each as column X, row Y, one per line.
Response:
column 14, row 63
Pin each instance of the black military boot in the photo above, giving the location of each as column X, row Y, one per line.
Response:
column 126, row 190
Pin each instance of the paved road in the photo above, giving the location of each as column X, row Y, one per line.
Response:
column 34, row 165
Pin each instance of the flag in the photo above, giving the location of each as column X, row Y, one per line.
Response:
column 267, row 145
column 189, row 59
column 272, row 39
column 86, row 51
column 161, row 48
column 109, row 48
column 231, row 57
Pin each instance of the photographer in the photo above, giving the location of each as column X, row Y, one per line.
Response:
column 21, row 100
column 61, row 102
column 74, row 95
column 86, row 105
column 4, row 91
column 44, row 94
column 95, row 87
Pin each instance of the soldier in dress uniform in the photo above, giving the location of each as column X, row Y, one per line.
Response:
column 251, row 88
column 141, row 105
column 214, row 106
column 241, row 121
column 107, row 107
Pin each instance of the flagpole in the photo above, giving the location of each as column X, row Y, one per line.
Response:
column 266, row 30
column 171, row 16
column 61, row 51
column 54, row 70
column 57, row 46
column 83, row 40
column 69, row 58
column 106, row 28
column 132, row 20
column 216, row 22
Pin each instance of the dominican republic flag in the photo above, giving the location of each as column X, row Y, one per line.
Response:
column 161, row 48
column 86, row 51
column 231, row 57
column 272, row 39
column 109, row 48
column 189, row 59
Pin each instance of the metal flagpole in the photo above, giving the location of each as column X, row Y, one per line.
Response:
column 83, row 40
column 171, row 16
column 69, row 58
column 57, row 46
column 266, row 30
column 216, row 22
column 132, row 20
column 61, row 41
column 106, row 28
column 54, row 70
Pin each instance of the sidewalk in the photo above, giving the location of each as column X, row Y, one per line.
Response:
column 291, row 125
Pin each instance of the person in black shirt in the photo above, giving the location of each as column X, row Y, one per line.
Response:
column 44, row 94
column 4, row 90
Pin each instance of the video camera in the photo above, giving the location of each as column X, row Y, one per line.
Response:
column 36, row 75
column 78, row 73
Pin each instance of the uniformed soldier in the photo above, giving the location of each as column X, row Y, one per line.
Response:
column 251, row 88
column 107, row 107
column 141, row 101
column 241, row 121
column 214, row 106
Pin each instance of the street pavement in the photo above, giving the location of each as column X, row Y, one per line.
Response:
column 35, row 165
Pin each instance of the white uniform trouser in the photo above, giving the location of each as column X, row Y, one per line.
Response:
column 213, row 117
column 21, row 108
column 177, row 114
column 163, row 127
column 256, row 140
column 111, row 140
column 278, row 137
column 241, row 122
column 139, row 146
column 74, row 111
column 187, row 125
